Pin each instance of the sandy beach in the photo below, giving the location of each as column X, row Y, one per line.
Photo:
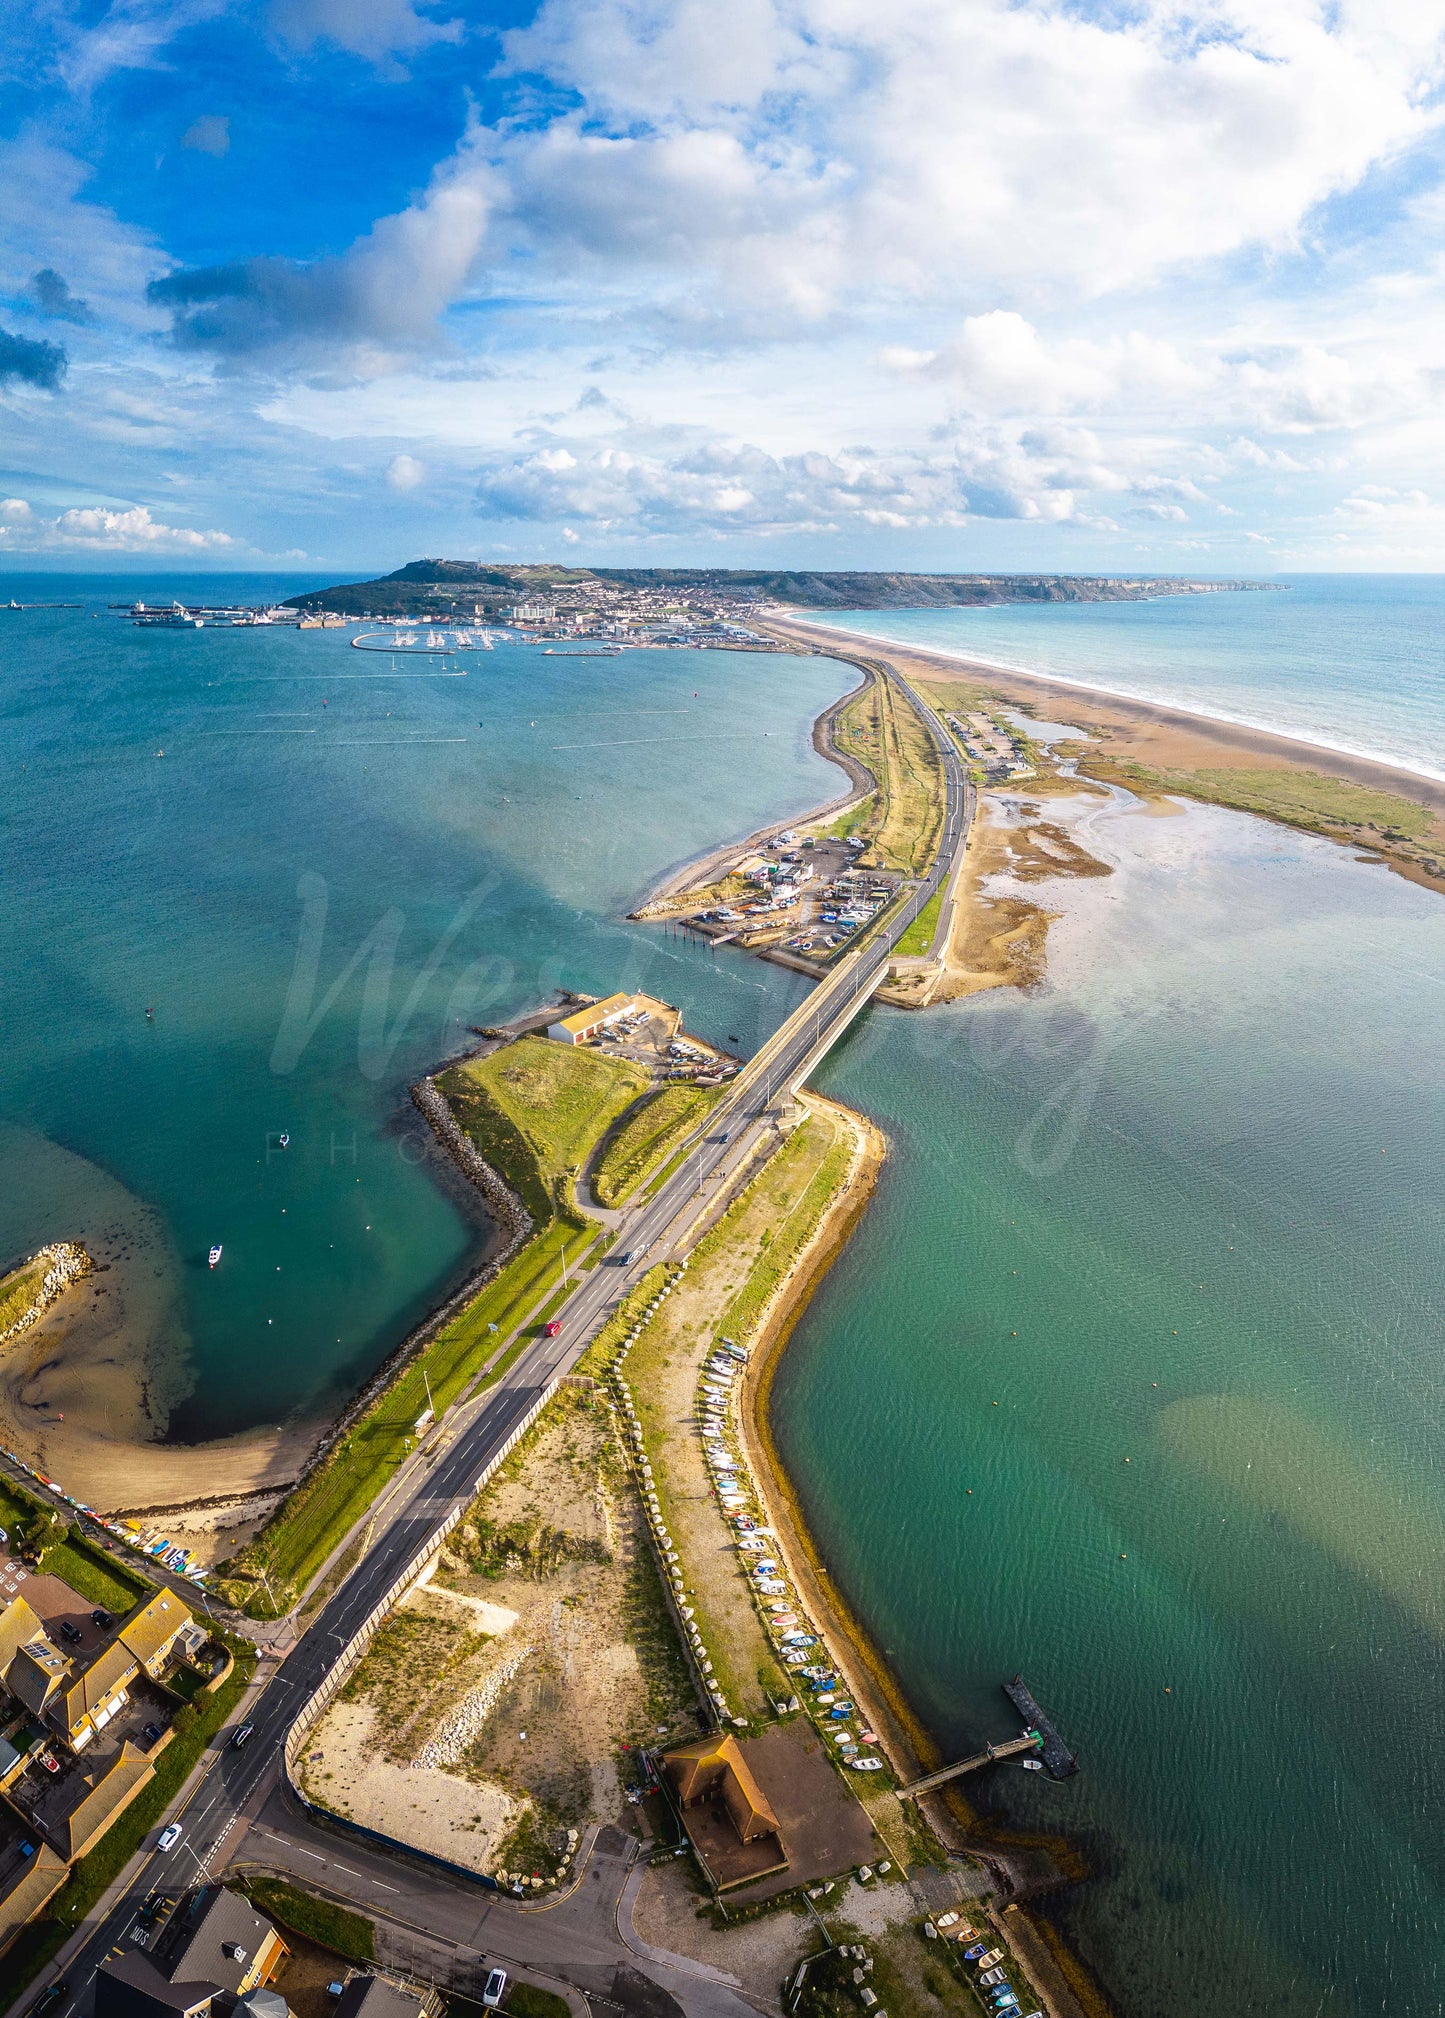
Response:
column 1158, row 739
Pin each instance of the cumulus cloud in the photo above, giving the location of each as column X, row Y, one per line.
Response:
column 655, row 481
column 95, row 529
column 675, row 482
column 405, row 473
column 379, row 298
column 27, row 362
column 829, row 143
column 210, row 134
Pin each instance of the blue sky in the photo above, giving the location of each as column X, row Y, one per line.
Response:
column 946, row 284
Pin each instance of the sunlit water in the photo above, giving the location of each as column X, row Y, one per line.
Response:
column 1142, row 1338
column 435, row 826
column 1352, row 662
column 1176, row 1144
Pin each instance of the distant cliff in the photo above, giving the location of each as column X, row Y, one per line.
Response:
column 471, row 588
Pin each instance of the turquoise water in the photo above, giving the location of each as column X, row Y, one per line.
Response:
column 433, row 816
column 1176, row 1143
column 1352, row 662
column 1142, row 1335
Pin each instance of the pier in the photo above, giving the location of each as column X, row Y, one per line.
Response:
column 1040, row 1738
column 1029, row 1742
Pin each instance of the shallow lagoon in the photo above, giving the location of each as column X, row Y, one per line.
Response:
column 1155, row 1269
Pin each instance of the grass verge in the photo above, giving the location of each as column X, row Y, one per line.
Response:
column 89, row 1572
column 318, row 1920
column 919, row 936
column 647, row 1136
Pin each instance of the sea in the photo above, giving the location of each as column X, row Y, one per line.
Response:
column 1130, row 1379
column 1353, row 663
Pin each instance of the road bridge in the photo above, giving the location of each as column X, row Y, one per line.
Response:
column 216, row 1809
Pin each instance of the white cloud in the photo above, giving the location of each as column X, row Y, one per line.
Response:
column 405, row 473
column 376, row 29
column 96, row 529
column 934, row 146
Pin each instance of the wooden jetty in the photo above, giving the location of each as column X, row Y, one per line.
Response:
column 1029, row 1742
column 1040, row 1737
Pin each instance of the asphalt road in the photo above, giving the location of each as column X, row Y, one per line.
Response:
column 211, row 1817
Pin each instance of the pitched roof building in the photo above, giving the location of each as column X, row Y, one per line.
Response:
column 152, row 1629
column 26, row 1889
column 131, row 1986
column 218, row 1934
column 100, row 1795
column 729, row 1820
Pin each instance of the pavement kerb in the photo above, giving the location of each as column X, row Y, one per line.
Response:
column 584, row 1858
column 118, row 1887
column 630, row 1938
column 522, row 1972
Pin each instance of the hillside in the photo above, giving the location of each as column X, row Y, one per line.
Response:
column 469, row 589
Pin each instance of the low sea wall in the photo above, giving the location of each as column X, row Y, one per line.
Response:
column 66, row 1261
column 503, row 1205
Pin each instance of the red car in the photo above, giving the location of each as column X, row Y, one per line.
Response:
column 551, row 1330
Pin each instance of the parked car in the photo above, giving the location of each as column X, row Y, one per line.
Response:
column 242, row 1736
column 51, row 1996
column 102, row 1618
column 496, row 1989
column 69, row 1633
column 169, row 1836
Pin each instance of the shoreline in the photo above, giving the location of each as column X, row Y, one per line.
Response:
column 704, row 868
column 1376, row 765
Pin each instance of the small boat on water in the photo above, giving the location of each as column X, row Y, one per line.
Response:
column 1032, row 1765
column 214, row 1256
column 284, row 1140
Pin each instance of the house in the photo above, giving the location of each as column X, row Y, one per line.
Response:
column 18, row 1625
column 24, row 1889
column 152, row 1630
column 94, row 1799
column 369, row 1996
column 585, row 1023
column 131, row 1986
column 218, row 1936
column 728, row 1818
column 36, row 1674
column 90, row 1698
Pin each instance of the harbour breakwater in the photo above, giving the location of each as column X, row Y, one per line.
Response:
column 506, row 1211
column 66, row 1261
